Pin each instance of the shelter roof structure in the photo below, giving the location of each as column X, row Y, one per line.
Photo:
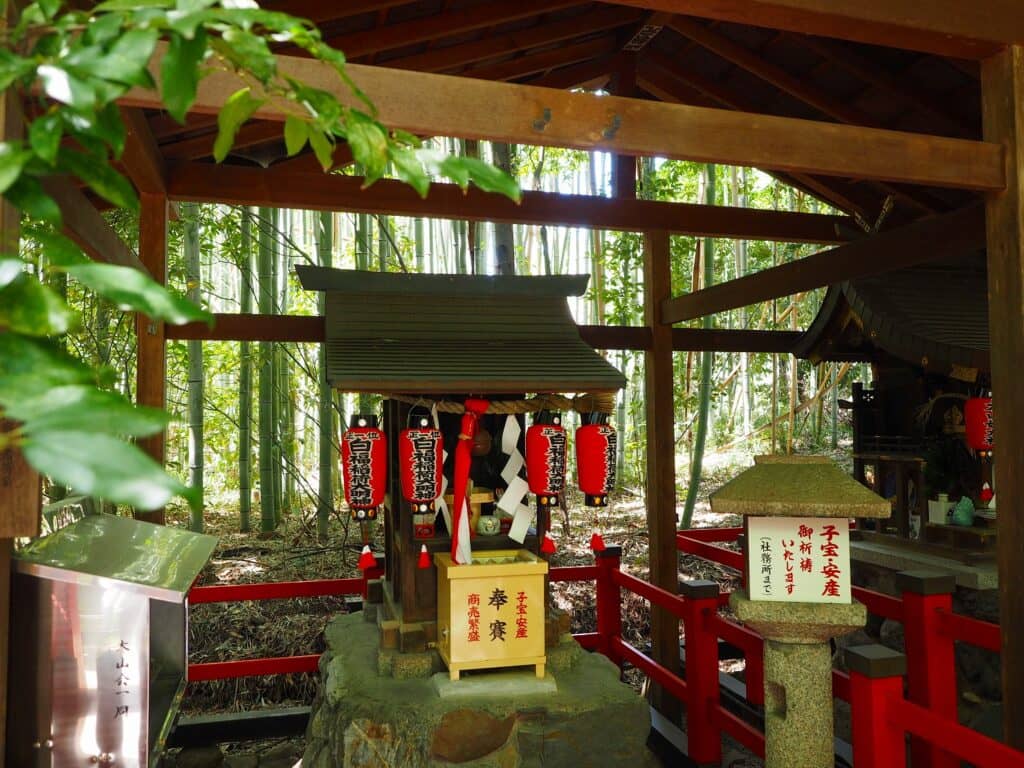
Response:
column 455, row 333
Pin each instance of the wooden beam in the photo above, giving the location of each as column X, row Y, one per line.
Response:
column 436, row 27
column 142, row 158
column 534, row 63
column 319, row 11
column 1002, row 79
column 941, row 27
column 739, row 340
column 590, row 75
column 151, row 349
column 949, row 236
column 236, row 185
column 463, row 54
column 645, row 32
column 425, row 104
column 84, row 224
column 249, row 135
column 661, row 461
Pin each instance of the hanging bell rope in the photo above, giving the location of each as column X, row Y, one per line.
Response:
column 586, row 403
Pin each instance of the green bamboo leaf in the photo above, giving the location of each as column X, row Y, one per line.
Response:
column 29, row 196
column 323, row 148
column 102, row 465
column 249, row 51
column 410, row 170
column 128, row 58
column 239, row 107
column 179, row 73
column 80, row 407
column 369, row 143
column 10, row 268
column 296, row 132
column 13, row 157
column 29, row 307
column 44, row 136
column 100, row 176
column 130, row 289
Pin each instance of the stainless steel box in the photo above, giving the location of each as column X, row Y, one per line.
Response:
column 99, row 642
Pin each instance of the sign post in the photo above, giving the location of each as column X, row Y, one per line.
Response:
column 796, row 511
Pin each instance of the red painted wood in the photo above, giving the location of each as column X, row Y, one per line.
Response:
column 655, row 595
column 588, row 640
column 752, row 645
column 952, row 739
column 671, row 683
column 711, row 534
column 983, row 634
column 879, row 604
column 231, row 593
column 223, row 670
column 840, row 685
column 720, row 555
column 609, row 605
column 877, row 741
column 743, row 732
column 704, row 740
column 574, row 573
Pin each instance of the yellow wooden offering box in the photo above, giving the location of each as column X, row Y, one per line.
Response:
column 490, row 613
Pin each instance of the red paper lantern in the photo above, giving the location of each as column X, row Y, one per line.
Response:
column 545, row 457
column 595, row 462
column 978, row 415
column 421, row 464
column 364, row 464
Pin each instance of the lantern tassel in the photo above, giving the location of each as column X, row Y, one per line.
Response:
column 424, row 561
column 366, row 559
column 548, row 545
column 986, row 493
column 596, row 542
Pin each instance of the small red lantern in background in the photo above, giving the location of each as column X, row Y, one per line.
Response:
column 595, row 459
column 421, row 463
column 364, row 464
column 978, row 416
column 545, row 457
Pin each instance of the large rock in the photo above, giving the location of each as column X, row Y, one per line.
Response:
column 363, row 719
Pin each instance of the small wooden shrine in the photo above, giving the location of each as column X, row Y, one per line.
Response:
column 462, row 362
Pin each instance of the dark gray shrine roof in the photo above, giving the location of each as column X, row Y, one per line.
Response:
column 437, row 334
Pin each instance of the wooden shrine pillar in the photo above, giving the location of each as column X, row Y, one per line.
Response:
column 20, row 486
column 1002, row 80
column 151, row 362
column 661, row 459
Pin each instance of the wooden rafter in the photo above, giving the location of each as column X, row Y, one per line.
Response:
column 427, row 104
column 952, row 235
column 451, row 24
column 319, row 11
column 464, row 54
column 236, row 185
column 589, row 75
column 553, row 58
column 249, row 135
column 943, row 27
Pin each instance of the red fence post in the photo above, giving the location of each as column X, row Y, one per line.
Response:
column 876, row 677
column 931, row 663
column 704, row 740
column 371, row 574
column 609, row 602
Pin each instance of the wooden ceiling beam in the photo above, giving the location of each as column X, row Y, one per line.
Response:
column 432, row 105
column 464, row 54
column 545, row 61
column 951, row 235
column 941, row 27
column 432, row 28
column 590, row 75
column 84, row 224
column 251, row 134
column 142, row 158
column 646, row 31
column 320, row 11
column 237, row 185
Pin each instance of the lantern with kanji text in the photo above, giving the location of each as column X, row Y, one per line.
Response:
column 420, row 462
column 595, row 459
column 545, row 457
column 364, row 462
column 979, row 425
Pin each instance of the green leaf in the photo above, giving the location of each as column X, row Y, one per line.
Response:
column 102, row 465
column 68, row 88
column 44, row 136
column 369, row 143
column 10, row 268
column 86, row 408
column 128, row 58
column 13, row 157
column 103, row 28
column 28, row 195
column 249, row 51
column 29, row 307
column 239, row 107
column 179, row 73
column 296, row 132
column 59, row 250
column 463, row 170
column 29, row 366
column 100, row 176
column 323, row 148
column 13, row 67
column 411, row 170
column 130, row 289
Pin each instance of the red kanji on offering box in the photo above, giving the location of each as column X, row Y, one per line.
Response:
column 545, row 457
column 364, row 464
column 595, row 461
column 421, row 463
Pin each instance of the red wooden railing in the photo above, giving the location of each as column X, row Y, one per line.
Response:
column 881, row 716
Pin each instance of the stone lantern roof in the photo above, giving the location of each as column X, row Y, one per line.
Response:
column 797, row 486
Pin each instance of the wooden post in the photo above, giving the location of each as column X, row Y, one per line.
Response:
column 151, row 352
column 1002, row 81
column 661, row 457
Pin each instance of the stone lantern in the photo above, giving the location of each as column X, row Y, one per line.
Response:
column 797, row 594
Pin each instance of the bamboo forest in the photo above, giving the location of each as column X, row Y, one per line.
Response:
column 257, row 429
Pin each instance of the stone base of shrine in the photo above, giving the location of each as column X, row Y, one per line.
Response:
column 580, row 715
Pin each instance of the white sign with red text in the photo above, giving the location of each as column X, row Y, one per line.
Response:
column 799, row 559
